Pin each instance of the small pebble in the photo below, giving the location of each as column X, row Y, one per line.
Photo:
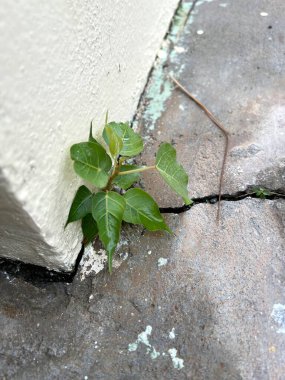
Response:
column 263, row 14
column 200, row 31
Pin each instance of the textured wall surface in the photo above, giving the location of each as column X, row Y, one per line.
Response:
column 63, row 63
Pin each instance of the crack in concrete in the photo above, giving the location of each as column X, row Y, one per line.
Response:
column 36, row 275
column 40, row 276
column 214, row 198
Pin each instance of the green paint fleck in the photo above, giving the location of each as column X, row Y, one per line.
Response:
column 132, row 346
column 172, row 334
column 179, row 20
column 142, row 338
column 160, row 88
column 154, row 354
column 162, row 261
column 177, row 362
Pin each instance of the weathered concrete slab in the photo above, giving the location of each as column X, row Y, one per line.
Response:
column 231, row 57
column 211, row 294
column 215, row 294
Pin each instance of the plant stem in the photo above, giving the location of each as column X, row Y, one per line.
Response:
column 114, row 174
column 137, row 170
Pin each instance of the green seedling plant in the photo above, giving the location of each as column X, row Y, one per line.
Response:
column 261, row 193
column 114, row 199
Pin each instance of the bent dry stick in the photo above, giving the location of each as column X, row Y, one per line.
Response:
column 222, row 129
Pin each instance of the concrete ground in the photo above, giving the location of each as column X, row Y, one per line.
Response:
column 209, row 301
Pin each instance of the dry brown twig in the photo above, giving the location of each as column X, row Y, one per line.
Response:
column 219, row 125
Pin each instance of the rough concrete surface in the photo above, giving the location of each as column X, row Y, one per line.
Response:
column 207, row 302
column 236, row 68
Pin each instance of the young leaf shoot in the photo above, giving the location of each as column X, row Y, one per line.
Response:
column 115, row 200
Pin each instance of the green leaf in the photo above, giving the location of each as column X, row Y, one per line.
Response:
column 132, row 142
column 92, row 163
column 108, row 209
column 261, row 192
column 126, row 181
column 173, row 173
column 113, row 140
column 81, row 205
column 89, row 228
column 142, row 209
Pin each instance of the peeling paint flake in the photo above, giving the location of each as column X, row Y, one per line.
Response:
column 172, row 334
column 154, row 354
column 179, row 20
column 133, row 347
column 160, row 89
column 158, row 92
column 178, row 363
column 162, row 261
column 278, row 314
column 143, row 338
column 179, row 49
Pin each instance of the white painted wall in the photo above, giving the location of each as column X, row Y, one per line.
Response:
column 63, row 63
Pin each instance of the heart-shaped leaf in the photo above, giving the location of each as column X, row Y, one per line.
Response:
column 89, row 228
column 142, row 209
column 125, row 181
column 132, row 142
column 172, row 172
column 114, row 141
column 92, row 163
column 108, row 209
column 81, row 205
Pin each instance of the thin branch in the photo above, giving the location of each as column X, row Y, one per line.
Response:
column 222, row 129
